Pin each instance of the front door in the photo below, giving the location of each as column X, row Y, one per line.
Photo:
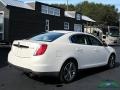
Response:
column 84, row 52
column 99, row 52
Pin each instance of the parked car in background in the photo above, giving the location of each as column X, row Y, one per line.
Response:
column 111, row 35
column 94, row 31
column 61, row 53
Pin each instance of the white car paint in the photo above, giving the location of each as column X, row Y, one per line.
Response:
column 57, row 53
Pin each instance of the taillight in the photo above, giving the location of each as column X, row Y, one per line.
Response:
column 41, row 50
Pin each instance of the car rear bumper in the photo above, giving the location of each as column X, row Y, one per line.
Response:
column 56, row 74
column 35, row 64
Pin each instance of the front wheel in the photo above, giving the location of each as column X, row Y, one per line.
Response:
column 111, row 62
column 68, row 72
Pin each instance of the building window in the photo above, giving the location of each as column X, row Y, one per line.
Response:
column 78, row 17
column 57, row 12
column 47, row 25
column 66, row 25
column 2, row 25
column 44, row 9
column 50, row 10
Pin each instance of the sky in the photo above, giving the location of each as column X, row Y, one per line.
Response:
column 111, row 2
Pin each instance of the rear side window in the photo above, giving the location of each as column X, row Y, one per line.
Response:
column 78, row 39
column 47, row 37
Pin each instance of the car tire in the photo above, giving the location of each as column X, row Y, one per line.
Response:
column 31, row 75
column 111, row 62
column 68, row 72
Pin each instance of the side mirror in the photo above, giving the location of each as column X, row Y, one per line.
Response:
column 104, row 43
column 104, row 37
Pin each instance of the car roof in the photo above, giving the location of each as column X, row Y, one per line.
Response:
column 67, row 32
column 61, row 31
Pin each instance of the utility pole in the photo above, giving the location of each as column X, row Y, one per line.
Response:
column 119, row 24
column 67, row 6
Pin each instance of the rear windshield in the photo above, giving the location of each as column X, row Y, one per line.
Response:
column 47, row 37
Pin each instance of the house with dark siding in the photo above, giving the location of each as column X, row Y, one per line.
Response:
column 20, row 20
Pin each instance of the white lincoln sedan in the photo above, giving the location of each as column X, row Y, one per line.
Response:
column 61, row 53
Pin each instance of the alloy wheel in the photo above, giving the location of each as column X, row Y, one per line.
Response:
column 69, row 72
column 111, row 62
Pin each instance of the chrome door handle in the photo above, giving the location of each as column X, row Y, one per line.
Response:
column 79, row 50
column 94, row 49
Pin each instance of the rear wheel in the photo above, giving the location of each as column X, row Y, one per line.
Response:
column 29, row 74
column 111, row 62
column 68, row 72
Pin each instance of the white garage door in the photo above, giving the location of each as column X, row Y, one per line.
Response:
column 78, row 27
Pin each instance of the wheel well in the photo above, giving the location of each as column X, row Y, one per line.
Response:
column 113, row 54
column 73, row 60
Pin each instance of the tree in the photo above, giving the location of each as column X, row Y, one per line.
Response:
column 64, row 6
column 102, row 14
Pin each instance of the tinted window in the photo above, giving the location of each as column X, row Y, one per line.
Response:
column 94, row 41
column 78, row 39
column 47, row 37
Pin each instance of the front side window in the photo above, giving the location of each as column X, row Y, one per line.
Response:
column 114, row 32
column 79, row 39
column 94, row 41
column 66, row 25
column 47, row 37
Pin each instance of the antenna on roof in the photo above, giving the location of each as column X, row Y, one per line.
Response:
column 67, row 6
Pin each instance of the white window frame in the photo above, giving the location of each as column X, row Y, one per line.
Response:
column 47, row 23
column 56, row 12
column 66, row 25
column 44, row 9
column 78, row 17
column 51, row 11
column 3, row 25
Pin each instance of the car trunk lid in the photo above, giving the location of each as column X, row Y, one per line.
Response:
column 25, row 48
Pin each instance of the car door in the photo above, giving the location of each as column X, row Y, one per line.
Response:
column 98, row 52
column 83, row 50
